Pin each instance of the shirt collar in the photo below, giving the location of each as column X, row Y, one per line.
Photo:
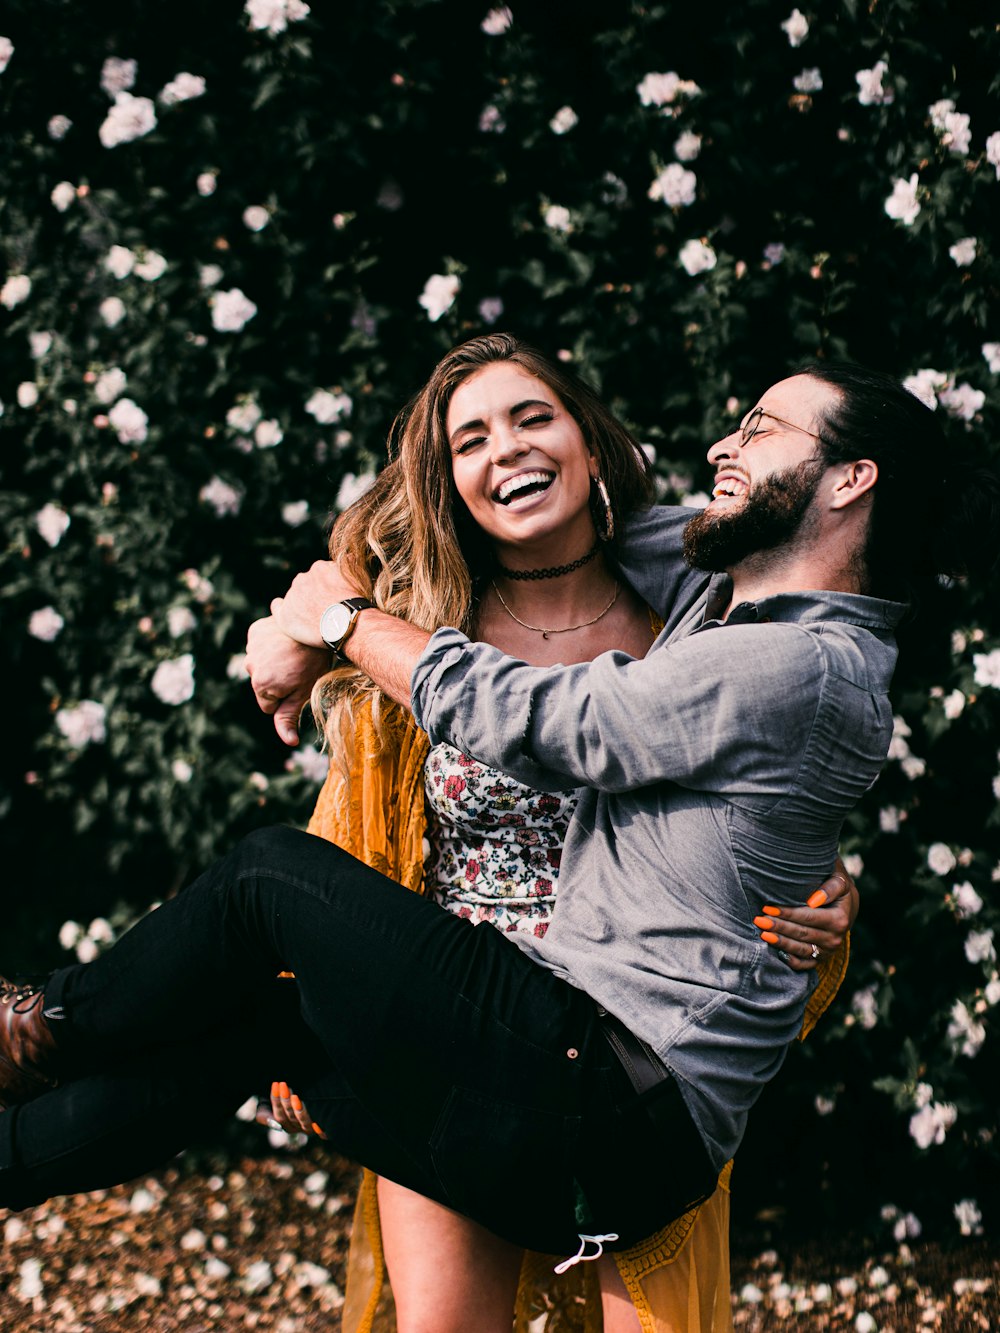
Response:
column 803, row 607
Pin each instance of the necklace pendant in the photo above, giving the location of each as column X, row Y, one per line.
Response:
column 545, row 634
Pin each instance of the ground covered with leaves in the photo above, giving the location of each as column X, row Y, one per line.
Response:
column 233, row 1241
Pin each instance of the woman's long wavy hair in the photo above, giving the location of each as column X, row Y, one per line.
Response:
column 410, row 543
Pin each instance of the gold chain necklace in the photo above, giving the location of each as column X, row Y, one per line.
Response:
column 565, row 629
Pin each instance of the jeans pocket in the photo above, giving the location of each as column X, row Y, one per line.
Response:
column 508, row 1166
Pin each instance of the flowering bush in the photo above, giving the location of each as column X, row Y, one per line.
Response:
column 236, row 240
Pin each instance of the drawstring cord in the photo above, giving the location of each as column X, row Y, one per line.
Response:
column 580, row 1257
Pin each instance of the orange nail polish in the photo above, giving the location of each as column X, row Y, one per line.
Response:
column 296, row 1102
column 763, row 922
column 816, row 899
column 274, row 1089
column 773, row 911
column 317, row 1130
column 769, row 937
column 283, row 1091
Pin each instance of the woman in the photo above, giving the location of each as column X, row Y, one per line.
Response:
column 567, row 473
column 435, row 572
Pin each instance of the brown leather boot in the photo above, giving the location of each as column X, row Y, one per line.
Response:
column 27, row 1046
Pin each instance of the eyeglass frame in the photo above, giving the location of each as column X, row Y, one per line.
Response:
column 750, row 427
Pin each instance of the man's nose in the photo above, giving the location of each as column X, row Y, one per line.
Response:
column 727, row 447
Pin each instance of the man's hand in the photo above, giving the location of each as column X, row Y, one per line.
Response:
column 282, row 672
column 301, row 609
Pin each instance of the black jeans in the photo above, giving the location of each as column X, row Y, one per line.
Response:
column 434, row 1052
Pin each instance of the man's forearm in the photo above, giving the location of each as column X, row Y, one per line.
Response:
column 387, row 649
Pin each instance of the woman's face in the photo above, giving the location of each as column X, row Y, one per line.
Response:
column 519, row 460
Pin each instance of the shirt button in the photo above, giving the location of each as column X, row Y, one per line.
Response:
column 572, row 1053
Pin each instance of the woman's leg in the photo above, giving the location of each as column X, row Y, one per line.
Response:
column 448, row 1274
column 619, row 1313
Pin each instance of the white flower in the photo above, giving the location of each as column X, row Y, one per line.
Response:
column 173, row 680
column 83, row 723
column 986, row 668
column 112, row 311
column 854, row 865
column 913, row 766
column 295, row 513
column 968, row 1217
column 939, row 111
column 953, row 704
column 27, row 394
column 256, row 217
column 991, row 353
column 902, row 203
column 865, row 1006
column 964, row 251
column 490, row 309
column 45, row 624
column 564, row 120
column 223, row 498
column 992, row 991
column 870, row 89
column 182, row 770
column 151, row 266
column 206, row 183
column 29, row 1273
column 182, row 89
column 117, row 75
column 687, row 146
column 439, row 294
column 557, row 218
column 180, row 620
column 39, row 344
column 119, row 261
column 967, row 901
column 964, row 1031
column 956, row 134
column 231, row 310
column 310, row 762
column 110, row 384
column 236, row 667
column 58, row 127
column 328, row 407
column 63, row 195
column 497, row 21
column 662, row 89
column 258, row 1276
column 962, row 401
column 824, row 1105
column 865, row 1323
column 244, row 416
column 697, row 257
column 675, row 185
column 979, row 946
column 129, row 421
column 490, row 120
column 941, row 859
column 808, row 81
column 6, row 51
column 100, row 930
column 267, row 434
column 130, row 118
column 925, row 385
column 15, row 290
column 351, row 488
column 51, row 522
column 209, row 275
column 274, row 15
column 797, row 28
column 993, row 151
column 69, row 934
column 201, row 589
column 931, row 1123
column 907, row 1228
column 751, row 1295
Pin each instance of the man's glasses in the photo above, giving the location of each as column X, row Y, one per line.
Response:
column 751, row 426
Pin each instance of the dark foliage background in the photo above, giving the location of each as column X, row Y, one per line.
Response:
column 383, row 144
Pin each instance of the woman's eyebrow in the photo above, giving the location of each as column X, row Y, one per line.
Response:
column 478, row 424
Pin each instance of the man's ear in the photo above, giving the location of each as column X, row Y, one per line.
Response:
column 856, row 481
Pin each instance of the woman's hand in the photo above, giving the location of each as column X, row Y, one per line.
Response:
column 288, row 1112
column 282, row 672
column 803, row 935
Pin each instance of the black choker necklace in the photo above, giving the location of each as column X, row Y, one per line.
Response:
column 554, row 571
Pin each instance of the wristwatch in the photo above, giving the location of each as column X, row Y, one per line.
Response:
column 338, row 622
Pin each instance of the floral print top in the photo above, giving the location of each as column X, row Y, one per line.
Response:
column 495, row 844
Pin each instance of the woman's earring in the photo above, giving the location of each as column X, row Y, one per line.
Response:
column 608, row 530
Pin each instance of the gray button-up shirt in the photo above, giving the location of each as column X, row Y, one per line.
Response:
column 719, row 769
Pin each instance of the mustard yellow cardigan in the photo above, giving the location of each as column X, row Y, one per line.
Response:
column 678, row 1279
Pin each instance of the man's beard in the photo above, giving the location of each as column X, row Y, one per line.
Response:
column 770, row 516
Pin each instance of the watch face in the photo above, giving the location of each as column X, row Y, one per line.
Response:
column 335, row 624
